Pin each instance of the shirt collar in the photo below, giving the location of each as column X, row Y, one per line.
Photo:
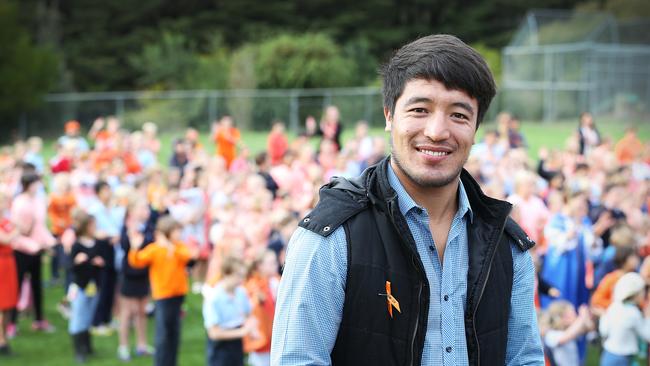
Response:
column 406, row 203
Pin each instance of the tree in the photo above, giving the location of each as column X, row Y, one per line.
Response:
column 27, row 71
column 303, row 61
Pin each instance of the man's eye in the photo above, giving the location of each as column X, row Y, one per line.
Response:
column 459, row 115
column 419, row 110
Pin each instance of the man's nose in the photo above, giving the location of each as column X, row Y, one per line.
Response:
column 437, row 127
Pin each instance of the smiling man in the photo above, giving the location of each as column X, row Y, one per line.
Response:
column 410, row 263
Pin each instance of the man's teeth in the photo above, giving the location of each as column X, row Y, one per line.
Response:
column 435, row 153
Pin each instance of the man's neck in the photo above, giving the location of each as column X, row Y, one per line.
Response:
column 441, row 203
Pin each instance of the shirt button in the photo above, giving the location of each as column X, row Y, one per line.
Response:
column 431, row 248
column 446, row 297
column 448, row 349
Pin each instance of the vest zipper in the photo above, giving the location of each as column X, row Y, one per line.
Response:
column 417, row 321
column 478, row 301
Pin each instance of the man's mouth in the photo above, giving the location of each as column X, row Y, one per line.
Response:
column 434, row 153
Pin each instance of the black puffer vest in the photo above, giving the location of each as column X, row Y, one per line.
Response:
column 381, row 248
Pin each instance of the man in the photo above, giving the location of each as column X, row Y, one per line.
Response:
column 411, row 264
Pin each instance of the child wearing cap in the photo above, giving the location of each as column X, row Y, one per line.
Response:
column 624, row 323
column 167, row 259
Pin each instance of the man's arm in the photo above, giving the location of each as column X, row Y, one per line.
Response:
column 524, row 343
column 310, row 299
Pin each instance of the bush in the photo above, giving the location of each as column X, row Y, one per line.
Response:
column 303, row 61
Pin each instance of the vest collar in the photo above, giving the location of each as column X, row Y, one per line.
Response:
column 381, row 193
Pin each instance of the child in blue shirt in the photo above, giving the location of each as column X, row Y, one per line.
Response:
column 226, row 310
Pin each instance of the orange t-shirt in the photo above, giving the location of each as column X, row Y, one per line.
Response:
column 604, row 293
column 277, row 145
column 226, row 139
column 131, row 163
column 263, row 309
column 59, row 211
column 627, row 149
column 167, row 272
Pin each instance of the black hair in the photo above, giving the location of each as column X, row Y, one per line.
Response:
column 28, row 178
column 260, row 158
column 443, row 58
column 100, row 185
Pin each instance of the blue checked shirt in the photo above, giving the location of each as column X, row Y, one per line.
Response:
column 312, row 292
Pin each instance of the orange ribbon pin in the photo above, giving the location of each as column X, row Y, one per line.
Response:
column 391, row 300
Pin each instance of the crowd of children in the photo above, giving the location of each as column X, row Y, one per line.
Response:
column 126, row 230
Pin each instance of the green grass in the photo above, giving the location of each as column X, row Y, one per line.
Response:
column 550, row 135
column 33, row 348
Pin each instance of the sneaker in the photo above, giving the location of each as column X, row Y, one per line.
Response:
column 149, row 309
column 5, row 350
column 196, row 287
column 144, row 351
column 43, row 326
column 123, row 353
column 12, row 331
column 102, row 331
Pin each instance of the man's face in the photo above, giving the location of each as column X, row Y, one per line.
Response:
column 432, row 132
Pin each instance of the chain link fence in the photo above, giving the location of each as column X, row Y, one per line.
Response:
column 175, row 110
column 562, row 63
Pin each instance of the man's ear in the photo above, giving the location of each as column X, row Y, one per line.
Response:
column 389, row 119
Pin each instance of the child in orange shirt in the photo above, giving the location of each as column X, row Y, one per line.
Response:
column 626, row 260
column 59, row 211
column 167, row 259
column 226, row 136
column 262, row 289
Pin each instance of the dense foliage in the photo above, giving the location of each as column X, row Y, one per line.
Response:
column 97, row 45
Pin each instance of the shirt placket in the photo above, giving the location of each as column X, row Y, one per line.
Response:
column 448, row 295
column 431, row 262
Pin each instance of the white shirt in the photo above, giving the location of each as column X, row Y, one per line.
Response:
column 565, row 354
column 621, row 326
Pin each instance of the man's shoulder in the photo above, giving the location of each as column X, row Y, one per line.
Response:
column 339, row 200
column 517, row 235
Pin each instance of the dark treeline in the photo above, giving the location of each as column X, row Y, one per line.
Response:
column 95, row 37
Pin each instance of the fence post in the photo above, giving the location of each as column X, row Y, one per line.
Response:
column 119, row 108
column 293, row 111
column 212, row 106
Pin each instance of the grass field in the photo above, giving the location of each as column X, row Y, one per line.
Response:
column 32, row 348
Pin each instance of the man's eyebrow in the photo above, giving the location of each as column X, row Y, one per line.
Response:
column 414, row 100
column 465, row 106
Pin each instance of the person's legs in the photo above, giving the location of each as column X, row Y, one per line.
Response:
column 141, row 323
column 56, row 263
column 161, row 332
column 174, row 323
column 125, row 318
column 37, row 285
column 4, row 341
column 610, row 359
column 212, row 353
column 3, row 337
column 21, row 265
column 167, row 331
column 81, row 313
column 106, row 296
column 88, row 322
